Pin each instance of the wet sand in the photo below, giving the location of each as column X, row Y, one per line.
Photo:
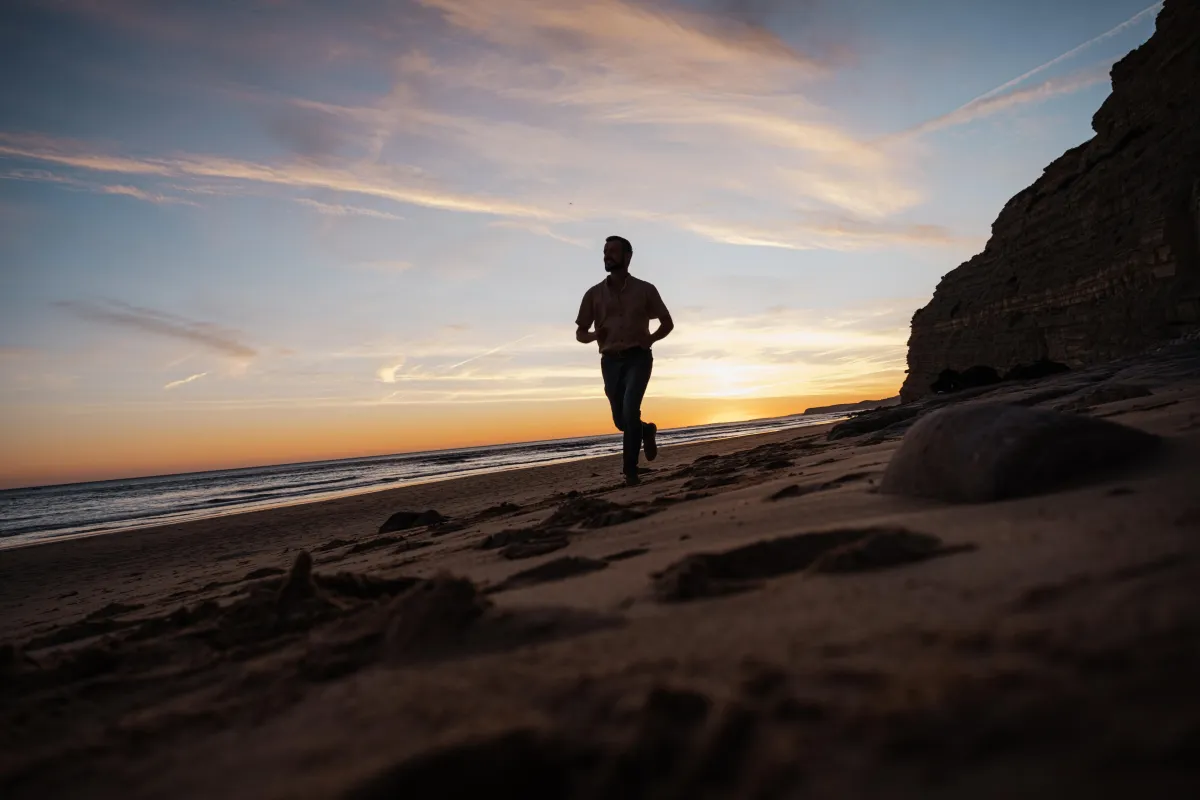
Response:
column 755, row 620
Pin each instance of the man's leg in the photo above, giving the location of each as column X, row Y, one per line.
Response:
column 636, row 379
column 611, row 370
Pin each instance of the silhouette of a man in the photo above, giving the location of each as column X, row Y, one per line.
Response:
column 621, row 307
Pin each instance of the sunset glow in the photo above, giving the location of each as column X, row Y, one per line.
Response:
column 283, row 231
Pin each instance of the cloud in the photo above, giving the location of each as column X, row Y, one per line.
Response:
column 577, row 83
column 572, row 111
column 142, row 194
column 388, row 373
column 188, row 379
column 676, row 47
column 825, row 232
column 44, row 176
column 70, row 153
column 298, row 174
column 776, row 353
column 206, row 334
column 339, row 210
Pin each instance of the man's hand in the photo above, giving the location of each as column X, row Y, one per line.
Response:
column 584, row 336
column 665, row 326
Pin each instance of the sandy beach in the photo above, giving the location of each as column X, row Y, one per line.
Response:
column 721, row 630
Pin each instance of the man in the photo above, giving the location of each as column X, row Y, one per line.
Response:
column 621, row 307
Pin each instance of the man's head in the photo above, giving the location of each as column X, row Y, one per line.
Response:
column 617, row 254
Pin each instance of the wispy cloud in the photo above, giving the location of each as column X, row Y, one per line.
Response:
column 157, row 323
column 184, row 381
column 777, row 353
column 562, row 87
column 559, row 89
column 381, row 182
column 339, row 210
column 680, row 48
column 822, row 232
column 142, row 194
column 45, row 176
column 389, row 372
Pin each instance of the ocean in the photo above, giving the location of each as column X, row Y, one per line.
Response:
column 83, row 509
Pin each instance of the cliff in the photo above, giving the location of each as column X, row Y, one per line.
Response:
column 1100, row 258
column 862, row 405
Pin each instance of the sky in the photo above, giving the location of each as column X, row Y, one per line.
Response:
column 268, row 231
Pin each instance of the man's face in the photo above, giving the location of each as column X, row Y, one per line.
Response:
column 614, row 256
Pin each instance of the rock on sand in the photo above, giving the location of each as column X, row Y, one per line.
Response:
column 980, row 453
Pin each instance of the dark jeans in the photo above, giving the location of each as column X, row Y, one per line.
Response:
column 626, row 375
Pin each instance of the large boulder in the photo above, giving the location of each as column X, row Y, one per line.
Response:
column 989, row 451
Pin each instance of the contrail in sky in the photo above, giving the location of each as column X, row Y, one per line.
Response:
column 988, row 99
column 189, row 379
column 489, row 352
column 1129, row 23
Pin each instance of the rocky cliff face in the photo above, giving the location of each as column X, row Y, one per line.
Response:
column 1100, row 258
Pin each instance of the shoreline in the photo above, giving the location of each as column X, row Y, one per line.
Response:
column 343, row 504
column 250, row 508
column 401, row 454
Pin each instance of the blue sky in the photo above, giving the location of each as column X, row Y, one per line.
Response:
column 300, row 210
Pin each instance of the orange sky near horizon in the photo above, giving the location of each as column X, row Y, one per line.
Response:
column 138, row 445
column 252, row 233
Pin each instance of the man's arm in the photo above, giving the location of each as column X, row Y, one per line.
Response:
column 665, row 326
column 584, row 321
column 658, row 310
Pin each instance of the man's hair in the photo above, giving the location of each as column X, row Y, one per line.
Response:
column 625, row 245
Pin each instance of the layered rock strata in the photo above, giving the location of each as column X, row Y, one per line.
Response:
column 1100, row 258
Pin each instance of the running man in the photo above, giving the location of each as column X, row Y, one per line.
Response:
column 621, row 307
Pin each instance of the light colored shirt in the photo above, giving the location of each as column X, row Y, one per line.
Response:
column 622, row 316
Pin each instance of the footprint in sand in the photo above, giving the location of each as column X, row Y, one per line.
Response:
column 740, row 569
column 556, row 570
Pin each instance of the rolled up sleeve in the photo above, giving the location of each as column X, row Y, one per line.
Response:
column 656, row 308
column 587, row 314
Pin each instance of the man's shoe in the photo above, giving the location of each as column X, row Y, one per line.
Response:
column 651, row 446
column 632, row 479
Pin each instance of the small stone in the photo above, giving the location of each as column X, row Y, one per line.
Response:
column 403, row 520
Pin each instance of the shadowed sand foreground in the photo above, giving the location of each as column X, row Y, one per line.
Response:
column 755, row 620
